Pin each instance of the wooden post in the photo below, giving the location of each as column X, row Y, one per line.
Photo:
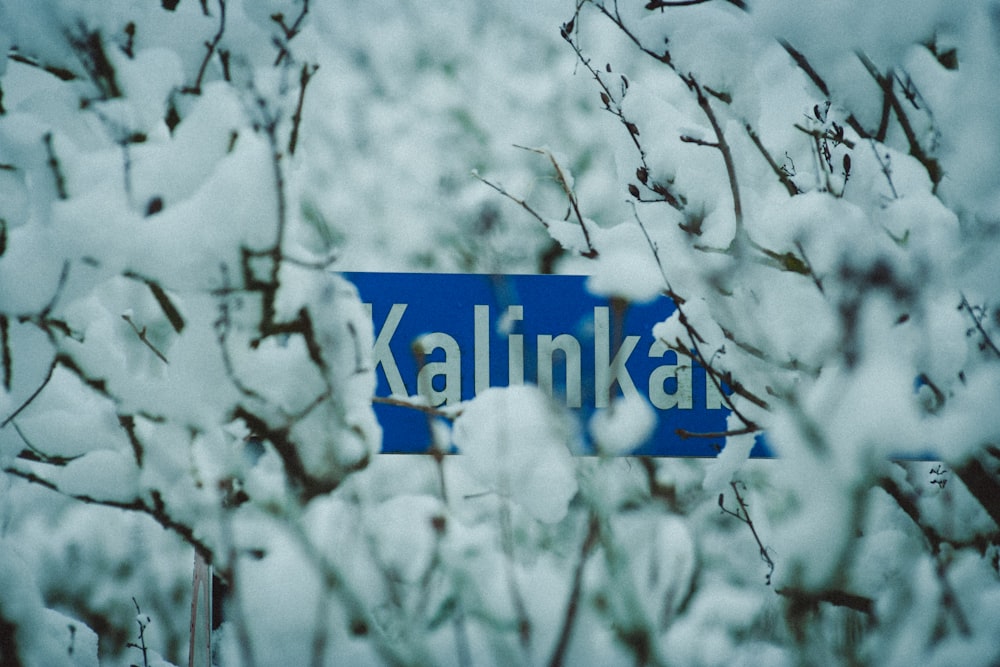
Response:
column 200, row 647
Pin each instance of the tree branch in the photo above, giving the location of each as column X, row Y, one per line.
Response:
column 210, row 47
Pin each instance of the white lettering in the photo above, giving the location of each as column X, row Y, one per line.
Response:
column 481, row 347
column 681, row 397
column 382, row 353
column 607, row 373
column 570, row 347
column 450, row 369
column 515, row 347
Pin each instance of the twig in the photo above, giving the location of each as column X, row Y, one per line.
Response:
column 60, row 73
column 166, row 305
column 613, row 105
column 507, row 540
column 987, row 341
column 684, row 434
column 573, row 604
column 517, row 200
column 885, row 82
column 32, row 397
column 157, row 509
column 826, row 135
column 210, row 47
column 53, row 161
column 6, row 361
column 142, row 634
column 427, row 409
column 805, row 599
column 141, row 333
column 741, row 512
column 564, row 183
column 304, row 76
column 739, row 235
column 886, row 168
column 35, row 454
column 289, row 31
column 695, row 338
column 616, row 18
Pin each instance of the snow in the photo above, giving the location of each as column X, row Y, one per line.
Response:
column 174, row 337
column 623, row 426
column 517, row 444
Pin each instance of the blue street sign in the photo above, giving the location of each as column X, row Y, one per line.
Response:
column 447, row 337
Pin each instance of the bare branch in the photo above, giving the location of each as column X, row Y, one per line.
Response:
column 826, row 135
column 53, row 161
column 210, row 47
column 987, row 341
column 573, row 604
column 60, row 73
column 743, row 514
column 591, row 252
column 807, row 599
column 32, row 397
column 419, row 407
column 157, row 509
column 684, row 434
column 6, row 361
column 885, row 82
column 739, row 235
column 304, row 76
column 564, row 182
column 141, row 333
column 289, row 32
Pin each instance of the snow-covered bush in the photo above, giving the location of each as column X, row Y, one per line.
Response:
column 180, row 371
column 811, row 183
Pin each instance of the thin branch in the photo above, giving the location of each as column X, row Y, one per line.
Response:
column 89, row 49
column 517, row 200
column 613, row 105
column 806, row 67
column 6, row 360
column 826, row 135
column 564, row 183
column 141, row 333
column 127, row 423
column 166, row 305
column 803, row 63
column 524, row 628
column 53, row 162
column 713, row 375
column 885, row 82
column 304, row 76
column 289, row 31
column 210, row 47
column 35, row 454
column 684, row 434
column 32, row 397
column 803, row 599
column 616, row 18
column 573, row 604
column 156, row 510
column 739, row 235
column 987, row 341
column 698, row 142
column 719, row 378
column 412, row 405
column 660, row 4
column 60, row 73
column 742, row 513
